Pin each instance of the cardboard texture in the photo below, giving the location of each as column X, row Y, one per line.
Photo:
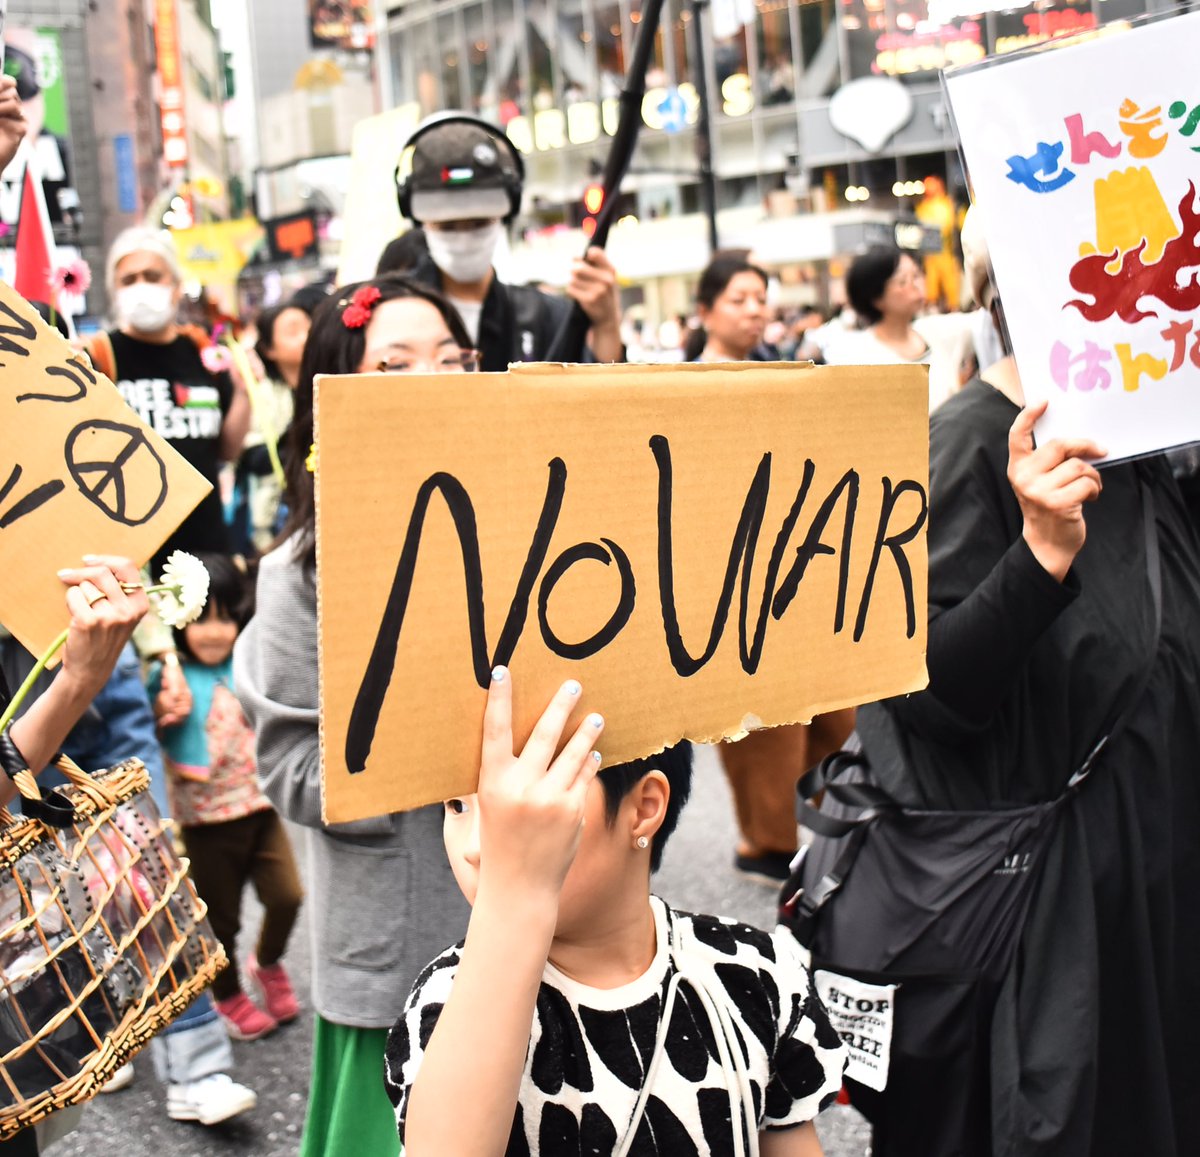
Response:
column 740, row 476
column 80, row 473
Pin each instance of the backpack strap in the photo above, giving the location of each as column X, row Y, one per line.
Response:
column 799, row 905
column 867, row 798
column 199, row 336
column 104, row 358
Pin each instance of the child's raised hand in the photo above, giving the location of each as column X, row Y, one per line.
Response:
column 166, row 710
column 531, row 805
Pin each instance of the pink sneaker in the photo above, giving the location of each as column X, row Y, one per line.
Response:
column 275, row 989
column 244, row 1019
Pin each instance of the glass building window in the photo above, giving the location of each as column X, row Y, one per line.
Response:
column 776, row 62
column 610, row 49
column 478, row 46
column 449, row 43
column 819, row 41
column 506, row 59
column 574, row 52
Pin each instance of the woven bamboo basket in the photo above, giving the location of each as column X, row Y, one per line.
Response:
column 103, row 941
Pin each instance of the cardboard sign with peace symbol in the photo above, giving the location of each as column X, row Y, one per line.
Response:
column 80, row 473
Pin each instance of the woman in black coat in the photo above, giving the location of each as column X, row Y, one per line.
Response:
column 1042, row 632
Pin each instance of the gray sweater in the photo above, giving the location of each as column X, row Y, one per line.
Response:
column 382, row 899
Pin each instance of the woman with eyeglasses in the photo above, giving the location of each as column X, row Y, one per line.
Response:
column 886, row 288
column 380, row 893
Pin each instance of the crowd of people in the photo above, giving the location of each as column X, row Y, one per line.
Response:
column 492, row 974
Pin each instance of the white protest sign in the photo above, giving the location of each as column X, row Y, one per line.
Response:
column 862, row 1015
column 1085, row 168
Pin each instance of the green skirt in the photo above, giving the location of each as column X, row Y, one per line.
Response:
column 348, row 1111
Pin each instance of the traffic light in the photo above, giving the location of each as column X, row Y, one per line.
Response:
column 593, row 202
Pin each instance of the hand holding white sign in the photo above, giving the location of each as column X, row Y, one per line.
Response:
column 1082, row 163
column 1052, row 482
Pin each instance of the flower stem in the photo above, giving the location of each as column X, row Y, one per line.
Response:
column 30, row 680
column 11, row 710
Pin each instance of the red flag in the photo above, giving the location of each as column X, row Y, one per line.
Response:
column 35, row 241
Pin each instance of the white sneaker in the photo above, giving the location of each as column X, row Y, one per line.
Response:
column 209, row 1100
column 121, row 1079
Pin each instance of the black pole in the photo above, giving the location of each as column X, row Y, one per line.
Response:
column 708, row 184
column 569, row 342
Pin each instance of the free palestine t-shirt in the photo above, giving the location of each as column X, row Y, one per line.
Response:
column 170, row 389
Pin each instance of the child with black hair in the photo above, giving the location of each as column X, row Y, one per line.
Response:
column 581, row 1014
column 230, row 831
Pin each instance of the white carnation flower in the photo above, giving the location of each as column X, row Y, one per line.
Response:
column 182, row 591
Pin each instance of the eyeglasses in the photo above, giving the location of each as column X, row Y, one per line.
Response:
column 455, row 362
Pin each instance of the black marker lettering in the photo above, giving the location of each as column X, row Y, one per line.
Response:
column 64, row 372
column 752, row 655
column 895, row 543
column 373, row 689
column 813, row 546
column 112, row 448
column 19, row 327
column 616, row 621
column 741, row 552
column 35, row 498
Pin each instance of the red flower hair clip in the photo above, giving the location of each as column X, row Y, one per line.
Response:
column 358, row 311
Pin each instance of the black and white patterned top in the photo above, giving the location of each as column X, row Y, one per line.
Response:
column 590, row 1049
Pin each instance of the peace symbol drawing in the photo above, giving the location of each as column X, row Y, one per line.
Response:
column 117, row 469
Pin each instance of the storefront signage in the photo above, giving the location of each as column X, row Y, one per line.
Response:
column 915, row 38
column 1042, row 26
column 584, row 121
column 34, row 57
column 170, row 76
column 350, row 27
column 293, row 237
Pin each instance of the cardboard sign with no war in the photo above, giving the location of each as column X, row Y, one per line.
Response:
column 706, row 548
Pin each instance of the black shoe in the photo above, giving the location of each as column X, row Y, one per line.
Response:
column 772, row 866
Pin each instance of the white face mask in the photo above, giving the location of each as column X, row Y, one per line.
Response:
column 464, row 255
column 145, row 307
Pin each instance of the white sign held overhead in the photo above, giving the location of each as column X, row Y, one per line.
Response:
column 1084, row 166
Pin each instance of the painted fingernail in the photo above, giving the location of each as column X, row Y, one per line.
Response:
column 91, row 558
column 572, row 687
column 499, row 674
column 596, row 721
column 62, row 574
column 596, row 756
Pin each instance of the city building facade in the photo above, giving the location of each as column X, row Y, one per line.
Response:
column 124, row 100
column 312, row 84
column 789, row 185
